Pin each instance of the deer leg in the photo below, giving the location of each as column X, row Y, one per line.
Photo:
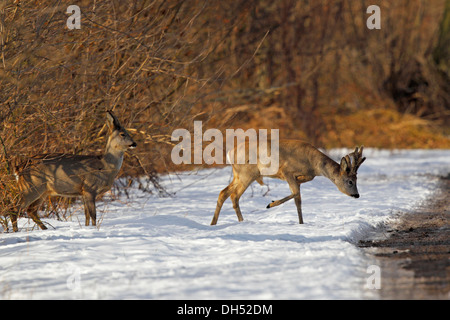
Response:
column 30, row 202
column 281, row 201
column 298, row 203
column 89, row 208
column 294, row 185
column 32, row 212
column 299, row 179
column 236, row 195
column 235, row 200
column 234, row 190
column 224, row 194
column 87, row 217
column 13, row 217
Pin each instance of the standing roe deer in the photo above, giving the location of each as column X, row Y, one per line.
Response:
column 71, row 175
column 299, row 162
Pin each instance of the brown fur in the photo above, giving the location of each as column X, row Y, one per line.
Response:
column 65, row 175
column 299, row 162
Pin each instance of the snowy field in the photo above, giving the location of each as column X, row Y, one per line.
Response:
column 148, row 247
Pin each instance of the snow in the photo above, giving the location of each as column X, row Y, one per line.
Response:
column 149, row 247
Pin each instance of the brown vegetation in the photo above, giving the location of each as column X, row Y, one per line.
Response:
column 309, row 68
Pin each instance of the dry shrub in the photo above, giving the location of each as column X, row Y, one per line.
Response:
column 309, row 68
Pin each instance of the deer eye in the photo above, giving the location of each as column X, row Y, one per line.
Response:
column 350, row 183
column 122, row 134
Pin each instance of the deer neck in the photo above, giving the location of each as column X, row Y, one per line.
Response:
column 113, row 158
column 328, row 168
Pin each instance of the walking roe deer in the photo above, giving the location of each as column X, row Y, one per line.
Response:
column 69, row 175
column 299, row 162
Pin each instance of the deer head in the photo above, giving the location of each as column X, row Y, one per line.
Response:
column 119, row 139
column 346, row 182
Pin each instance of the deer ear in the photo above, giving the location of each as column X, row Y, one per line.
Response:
column 112, row 121
column 344, row 164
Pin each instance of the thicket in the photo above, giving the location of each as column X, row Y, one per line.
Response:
column 309, row 68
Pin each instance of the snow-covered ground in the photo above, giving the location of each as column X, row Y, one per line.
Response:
column 164, row 248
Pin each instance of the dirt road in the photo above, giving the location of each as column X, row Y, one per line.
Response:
column 414, row 253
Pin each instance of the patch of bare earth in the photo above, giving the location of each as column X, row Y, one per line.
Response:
column 414, row 253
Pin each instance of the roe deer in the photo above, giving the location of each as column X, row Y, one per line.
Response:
column 71, row 175
column 299, row 162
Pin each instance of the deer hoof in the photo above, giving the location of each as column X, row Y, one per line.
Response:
column 268, row 206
